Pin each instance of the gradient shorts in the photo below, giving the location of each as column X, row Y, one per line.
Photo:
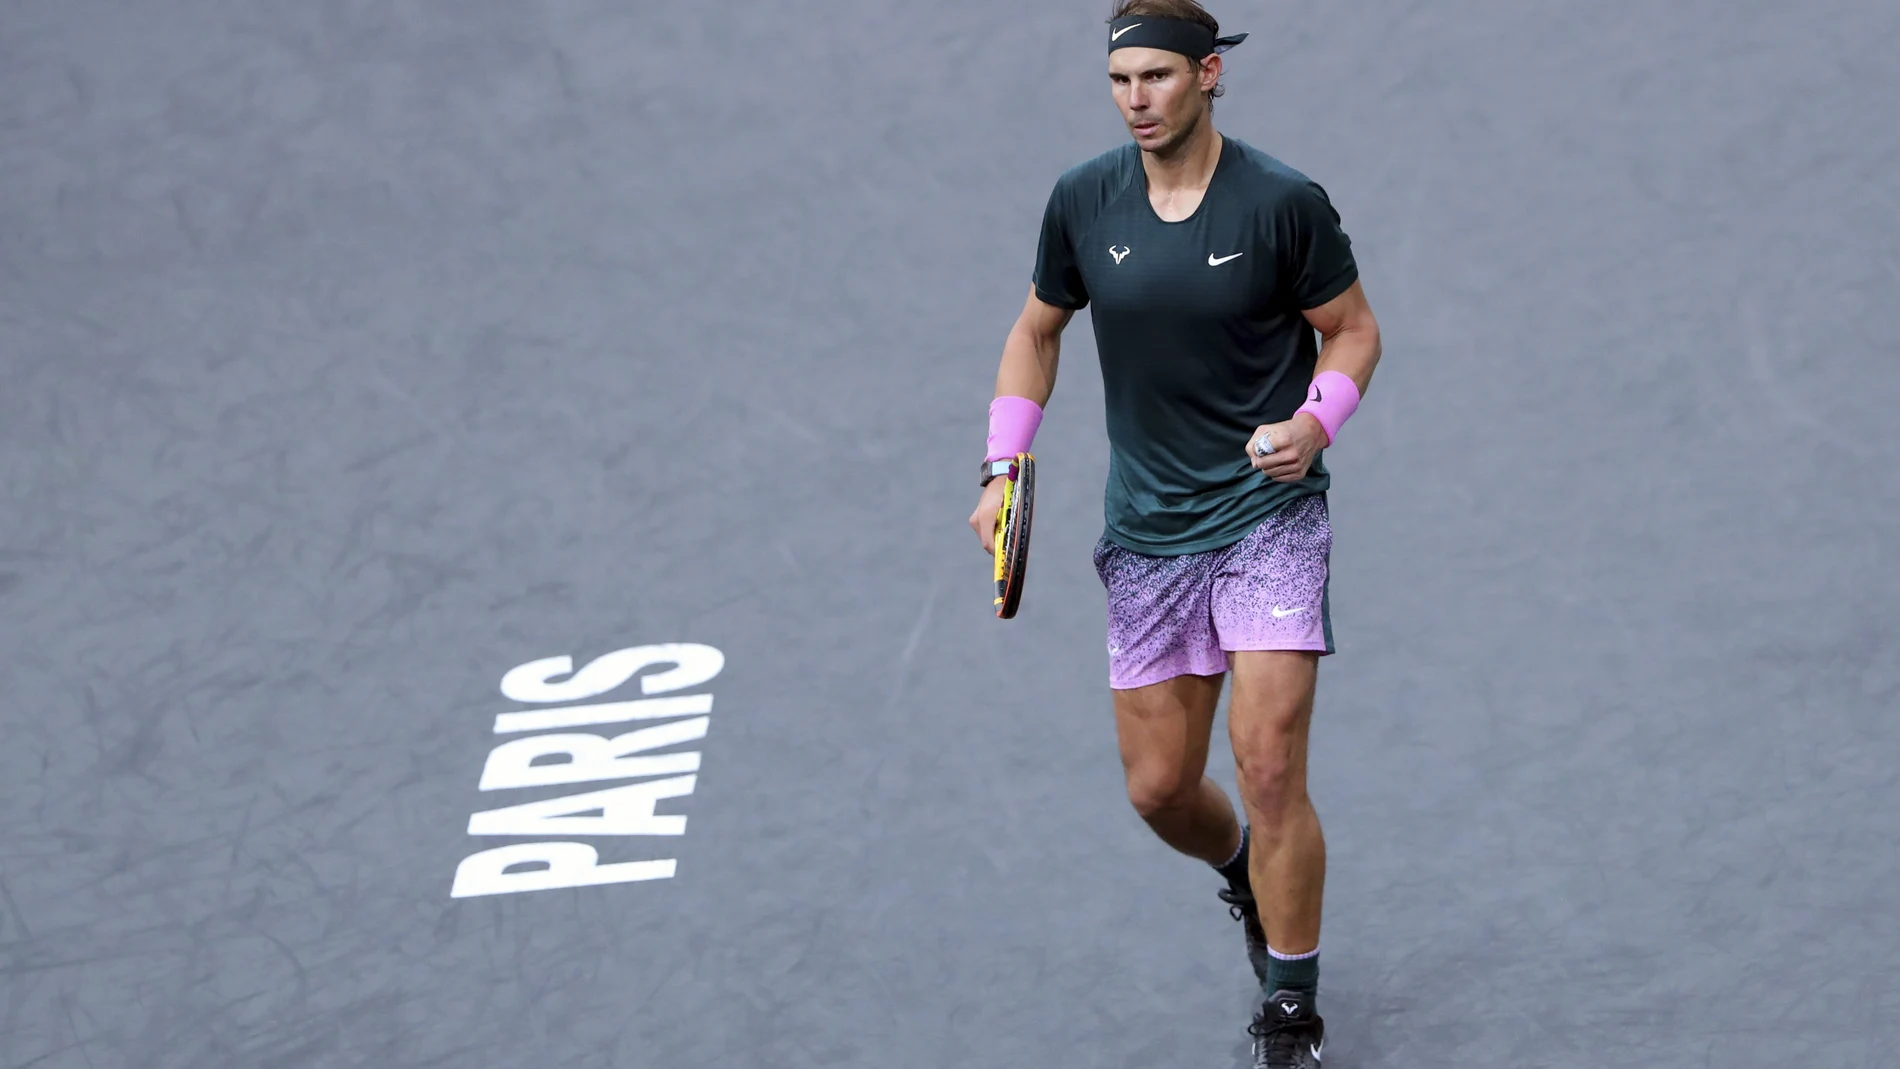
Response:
column 1172, row 616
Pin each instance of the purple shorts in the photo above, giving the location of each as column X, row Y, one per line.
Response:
column 1172, row 616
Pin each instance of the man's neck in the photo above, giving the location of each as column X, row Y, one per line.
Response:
column 1189, row 166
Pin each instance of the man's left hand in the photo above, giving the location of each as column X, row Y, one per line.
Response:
column 1295, row 443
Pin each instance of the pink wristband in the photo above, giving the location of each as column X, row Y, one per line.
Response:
column 1331, row 399
column 1013, row 423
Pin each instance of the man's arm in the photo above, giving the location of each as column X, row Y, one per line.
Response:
column 1028, row 369
column 1349, row 337
column 1349, row 345
column 1032, row 351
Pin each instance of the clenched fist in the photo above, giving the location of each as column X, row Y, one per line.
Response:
column 1295, row 443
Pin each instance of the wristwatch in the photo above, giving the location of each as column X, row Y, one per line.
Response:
column 993, row 468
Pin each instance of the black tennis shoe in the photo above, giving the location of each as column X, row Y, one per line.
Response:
column 1240, row 904
column 1287, row 1034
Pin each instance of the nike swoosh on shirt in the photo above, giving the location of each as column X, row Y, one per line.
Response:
column 1117, row 34
column 1281, row 614
column 1213, row 262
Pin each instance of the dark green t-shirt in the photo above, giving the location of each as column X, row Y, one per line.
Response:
column 1200, row 332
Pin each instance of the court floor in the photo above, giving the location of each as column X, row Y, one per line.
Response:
column 360, row 361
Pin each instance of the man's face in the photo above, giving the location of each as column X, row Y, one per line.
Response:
column 1163, row 95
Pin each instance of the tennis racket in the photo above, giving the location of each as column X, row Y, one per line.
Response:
column 1012, row 535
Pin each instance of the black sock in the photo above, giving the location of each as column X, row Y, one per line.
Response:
column 1297, row 975
column 1235, row 868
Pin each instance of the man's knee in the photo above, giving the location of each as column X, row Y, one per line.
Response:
column 1157, row 790
column 1271, row 770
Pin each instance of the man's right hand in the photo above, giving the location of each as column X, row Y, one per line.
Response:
column 983, row 520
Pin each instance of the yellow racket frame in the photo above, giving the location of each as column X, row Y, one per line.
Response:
column 1001, row 543
column 1012, row 533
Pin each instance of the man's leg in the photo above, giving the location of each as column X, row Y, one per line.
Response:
column 1166, row 668
column 1163, row 730
column 1269, row 720
column 1271, row 609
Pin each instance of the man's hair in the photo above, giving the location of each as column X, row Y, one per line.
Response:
column 1186, row 10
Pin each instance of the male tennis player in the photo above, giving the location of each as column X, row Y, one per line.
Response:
column 1211, row 266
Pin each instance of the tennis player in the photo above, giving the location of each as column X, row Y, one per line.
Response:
column 1211, row 267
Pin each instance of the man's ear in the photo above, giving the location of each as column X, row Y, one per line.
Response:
column 1210, row 73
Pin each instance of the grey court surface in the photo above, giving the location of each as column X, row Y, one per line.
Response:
column 354, row 353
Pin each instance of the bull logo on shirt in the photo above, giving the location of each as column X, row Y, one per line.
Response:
column 1119, row 253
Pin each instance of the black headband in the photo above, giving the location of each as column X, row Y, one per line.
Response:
column 1191, row 39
